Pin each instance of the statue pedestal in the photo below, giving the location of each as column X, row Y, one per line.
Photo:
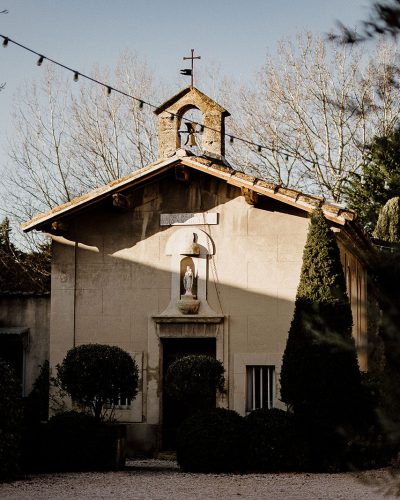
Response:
column 188, row 304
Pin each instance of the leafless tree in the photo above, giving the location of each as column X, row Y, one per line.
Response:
column 314, row 108
column 112, row 134
column 70, row 138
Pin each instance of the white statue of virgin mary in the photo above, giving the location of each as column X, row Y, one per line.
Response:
column 188, row 281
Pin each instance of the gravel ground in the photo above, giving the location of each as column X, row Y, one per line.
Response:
column 156, row 479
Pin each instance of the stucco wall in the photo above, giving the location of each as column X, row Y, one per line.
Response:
column 33, row 312
column 111, row 275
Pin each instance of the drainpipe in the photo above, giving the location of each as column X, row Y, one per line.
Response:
column 74, row 312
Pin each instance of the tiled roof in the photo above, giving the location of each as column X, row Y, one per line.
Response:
column 211, row 166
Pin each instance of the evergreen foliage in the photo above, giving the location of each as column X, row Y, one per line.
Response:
column 388, row 272
column 273, row 442
column 36, row 411
column 195, row 379
column 379, row 180
column 388, row 226
column 95, row 375
column 320, row 379
column 211, row 441
column 10, row 423
column 22, row 271
column 73, row 441
column 37, row 402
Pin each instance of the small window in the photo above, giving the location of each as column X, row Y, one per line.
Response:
column 260, row 387
column 121, row 403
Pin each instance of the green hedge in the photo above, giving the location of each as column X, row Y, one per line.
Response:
column 273, row 442
column 195, row 379
column 10, row 423
column 211, row 441
column 74, row 441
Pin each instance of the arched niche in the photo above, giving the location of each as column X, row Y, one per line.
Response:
column 188, row 262
column 189, row 247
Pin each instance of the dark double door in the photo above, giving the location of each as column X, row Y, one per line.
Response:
column 173, row 412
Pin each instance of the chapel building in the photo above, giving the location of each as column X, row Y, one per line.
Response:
column 187, row 256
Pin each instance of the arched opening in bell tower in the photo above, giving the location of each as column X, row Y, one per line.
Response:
column 191, row 129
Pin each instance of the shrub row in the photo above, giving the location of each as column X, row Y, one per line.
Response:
column 264, row 441
column 73, row 441
column 221, row 441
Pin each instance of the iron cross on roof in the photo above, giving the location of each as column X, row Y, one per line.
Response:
column 189, row 72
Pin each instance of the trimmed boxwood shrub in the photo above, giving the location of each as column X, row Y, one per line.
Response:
column 95, row 375
column 73, row 441
column 273, row 442
column 10, row 423
column 195, row 379
column 211, row 441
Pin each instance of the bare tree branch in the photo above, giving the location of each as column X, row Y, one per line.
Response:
column 69, row 140
column 314, row 108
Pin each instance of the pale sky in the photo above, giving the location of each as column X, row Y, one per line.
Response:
column 233, row 35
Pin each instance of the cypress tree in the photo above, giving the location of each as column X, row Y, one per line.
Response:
column 320, row 379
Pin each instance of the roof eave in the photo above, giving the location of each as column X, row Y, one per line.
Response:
column 297, row 199
column 97, row 195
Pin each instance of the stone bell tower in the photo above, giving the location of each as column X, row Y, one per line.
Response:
column 212, row 128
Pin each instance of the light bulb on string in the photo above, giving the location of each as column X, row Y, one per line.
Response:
column 141, row 104
column 108, row 90
column 40, row 60
column 76, row 76
column 259, row 149
column 5, row 42
column 231, row 139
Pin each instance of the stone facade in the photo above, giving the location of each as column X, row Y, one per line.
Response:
column 170, row 118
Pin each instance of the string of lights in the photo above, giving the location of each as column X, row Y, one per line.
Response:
column 141, row 102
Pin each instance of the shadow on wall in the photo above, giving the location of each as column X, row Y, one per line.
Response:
column 120, row 284
column 122, row 279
